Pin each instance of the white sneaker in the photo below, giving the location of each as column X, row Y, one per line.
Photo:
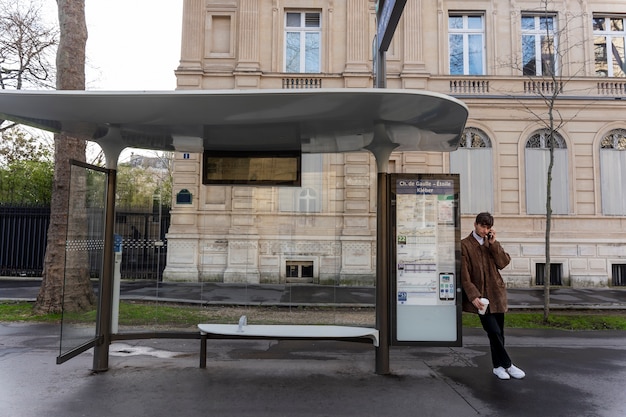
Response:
column 501, row 373
column 515, row 372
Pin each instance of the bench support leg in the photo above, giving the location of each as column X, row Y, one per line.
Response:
column 203, row 350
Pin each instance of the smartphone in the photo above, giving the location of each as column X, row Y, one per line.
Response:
column 446, row 286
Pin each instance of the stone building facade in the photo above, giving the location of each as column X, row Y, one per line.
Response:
column 499, row 57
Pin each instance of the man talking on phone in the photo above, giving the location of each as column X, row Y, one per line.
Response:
column 484, row 291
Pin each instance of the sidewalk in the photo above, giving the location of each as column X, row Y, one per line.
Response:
column 303, row 295
column 568, row 374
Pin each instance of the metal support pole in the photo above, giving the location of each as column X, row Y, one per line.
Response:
column 105, row 297
column 381, row 69
column 382, row 276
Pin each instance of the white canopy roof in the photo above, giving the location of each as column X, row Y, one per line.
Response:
column 311, row 121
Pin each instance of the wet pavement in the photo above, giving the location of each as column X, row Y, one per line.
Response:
column 568, row 373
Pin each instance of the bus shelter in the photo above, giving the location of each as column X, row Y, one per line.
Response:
column 278, row 124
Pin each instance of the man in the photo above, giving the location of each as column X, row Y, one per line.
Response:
column 482, row 259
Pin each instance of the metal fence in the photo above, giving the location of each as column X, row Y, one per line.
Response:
column 23, row 237
column 23, row 231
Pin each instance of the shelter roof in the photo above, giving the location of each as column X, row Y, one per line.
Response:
column 311, row 121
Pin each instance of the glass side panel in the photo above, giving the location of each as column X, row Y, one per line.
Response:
column 84, row 247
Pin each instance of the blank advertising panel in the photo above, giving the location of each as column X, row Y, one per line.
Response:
column 426, row 252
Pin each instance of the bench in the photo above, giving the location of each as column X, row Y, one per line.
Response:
column 283, row 332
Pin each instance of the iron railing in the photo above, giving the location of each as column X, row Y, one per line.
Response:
column 24, row 230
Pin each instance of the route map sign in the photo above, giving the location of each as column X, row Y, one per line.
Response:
column 426, row 285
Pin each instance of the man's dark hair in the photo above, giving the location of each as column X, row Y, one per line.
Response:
column 485, row 219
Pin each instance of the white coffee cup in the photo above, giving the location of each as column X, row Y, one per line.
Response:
column 485, row 303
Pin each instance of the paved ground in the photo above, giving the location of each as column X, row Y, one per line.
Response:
column 569, row 374
column 578, row 374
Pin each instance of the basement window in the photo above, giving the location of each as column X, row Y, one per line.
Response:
column 619, row 275
column 299, row 269
column 556, row 273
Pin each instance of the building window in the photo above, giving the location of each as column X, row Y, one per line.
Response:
column 539, row 45
column 613, row 172
column 537, row 160
column 473, row 161
column 300, row 270
column 555, row 273
column 302, row 42
column 466, row 37
column 619, row 275
column 609, row 39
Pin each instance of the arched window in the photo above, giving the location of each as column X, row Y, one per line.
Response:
column 537, row 161
column 473, row 162
column 613, row 172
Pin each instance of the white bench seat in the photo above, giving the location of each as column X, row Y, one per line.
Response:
column 284, row 331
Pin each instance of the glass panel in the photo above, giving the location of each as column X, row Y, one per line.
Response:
column 292, row 52
column 307, row 270
column 618, row 57
column 528, row 55
column 293, row 20
column 455, row 22
column 617, row 24
column 475, row 54
column 598, row 23
column 292, row 270
column 600, row 56
column 528, row 22
column 546, row 23
column 547, row 55
column 475, row 22
column 312, row 48
column 244, row 251
column 84, row 247
column 456, row 54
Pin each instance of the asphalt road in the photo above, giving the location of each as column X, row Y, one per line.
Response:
column 298, row 294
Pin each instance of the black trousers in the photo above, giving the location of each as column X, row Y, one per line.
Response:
column 493, row 323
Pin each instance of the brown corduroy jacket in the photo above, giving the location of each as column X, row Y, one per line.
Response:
column 480, row 274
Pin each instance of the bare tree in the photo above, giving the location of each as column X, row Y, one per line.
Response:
column 546, row 80
column 26, row 46
column 78, row 294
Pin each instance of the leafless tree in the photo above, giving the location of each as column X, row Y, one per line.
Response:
column 27, row 46
column 546, row 81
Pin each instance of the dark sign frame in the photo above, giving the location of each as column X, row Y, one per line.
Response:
column 252, row 168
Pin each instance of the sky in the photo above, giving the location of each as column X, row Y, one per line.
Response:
column 132, row 45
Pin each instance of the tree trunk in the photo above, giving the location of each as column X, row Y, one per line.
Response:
column 61, row 267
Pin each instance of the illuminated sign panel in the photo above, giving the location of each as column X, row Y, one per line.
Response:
column 426, row 284
column 258, row 168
